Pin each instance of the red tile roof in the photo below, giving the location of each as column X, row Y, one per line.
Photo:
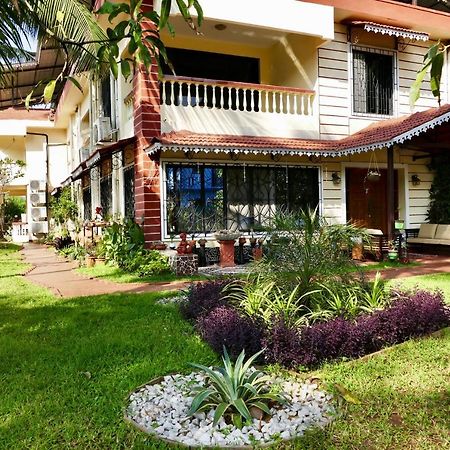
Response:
column 381, row 134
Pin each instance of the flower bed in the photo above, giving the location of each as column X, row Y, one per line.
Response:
column 409, row 315
column 160, row 408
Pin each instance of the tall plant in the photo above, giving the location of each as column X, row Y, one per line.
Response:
column 302, row 249
column 439, row 211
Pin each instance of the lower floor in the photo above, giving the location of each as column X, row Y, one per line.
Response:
column 203, row 193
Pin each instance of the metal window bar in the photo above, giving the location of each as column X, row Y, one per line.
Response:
column 201, row 198
column 373, row 82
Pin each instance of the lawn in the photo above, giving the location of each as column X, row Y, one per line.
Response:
column 67, row 366
column 118, row 275
column 440, row 281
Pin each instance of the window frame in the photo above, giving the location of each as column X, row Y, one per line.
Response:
column 395, row 79
column 211, row 163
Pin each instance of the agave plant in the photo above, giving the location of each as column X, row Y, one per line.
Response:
column 235, row 391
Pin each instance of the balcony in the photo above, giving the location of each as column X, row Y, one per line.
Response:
column 224, row 107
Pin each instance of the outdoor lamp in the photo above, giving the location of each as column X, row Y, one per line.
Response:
column 335, row 178
column 415, row 180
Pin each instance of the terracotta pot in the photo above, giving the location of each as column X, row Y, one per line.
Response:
column 257, row 253
column 90, row 261
column 100, row 261
column 160, row 246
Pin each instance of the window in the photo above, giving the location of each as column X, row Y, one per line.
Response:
column 373, row 82
column 206, row 198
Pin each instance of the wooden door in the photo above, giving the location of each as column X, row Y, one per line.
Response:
column 366, row 200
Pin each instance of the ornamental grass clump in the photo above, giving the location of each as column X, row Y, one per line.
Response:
column 237, row 392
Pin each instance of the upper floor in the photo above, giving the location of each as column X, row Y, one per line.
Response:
column 321, row 69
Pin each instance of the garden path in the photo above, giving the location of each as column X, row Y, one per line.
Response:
column 428, row 264
column 58, row 275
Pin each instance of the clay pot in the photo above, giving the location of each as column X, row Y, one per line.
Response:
column 100, row 261
column 90, row 261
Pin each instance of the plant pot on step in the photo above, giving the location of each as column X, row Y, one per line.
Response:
column 89, row 261
column 393, row 255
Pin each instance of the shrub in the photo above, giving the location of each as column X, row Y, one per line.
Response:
column 223, row 326
column 202, row 298
column 282, row 344
column 409, row 316
column 150, row 263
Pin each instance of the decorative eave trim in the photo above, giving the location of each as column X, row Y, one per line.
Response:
column 246, row 151
column 78, row 171
column 93, row 159
column 392, row 31
column 65, row 183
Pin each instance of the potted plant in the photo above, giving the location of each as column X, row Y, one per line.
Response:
column 91, row 254
column 226, row 235
column 392, row 251
column 373, row 175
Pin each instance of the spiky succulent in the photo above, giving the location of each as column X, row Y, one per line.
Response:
column 235, row 391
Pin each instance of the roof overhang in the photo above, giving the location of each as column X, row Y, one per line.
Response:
column 389, row 30
column 384, row 134
column 108, row 150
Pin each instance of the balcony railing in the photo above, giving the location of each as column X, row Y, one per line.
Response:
column 187, row 102
column 195, row 92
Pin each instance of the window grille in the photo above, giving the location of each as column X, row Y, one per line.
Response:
column 128, row 186
column 206, row 198
column 106, row 195
column 373, row 82
column 87, row 203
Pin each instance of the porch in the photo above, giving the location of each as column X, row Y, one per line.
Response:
column 211, row 182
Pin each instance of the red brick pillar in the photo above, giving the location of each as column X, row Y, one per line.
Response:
column 147, row 125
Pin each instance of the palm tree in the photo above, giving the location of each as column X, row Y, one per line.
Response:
column 71, row 27
column 69, row 23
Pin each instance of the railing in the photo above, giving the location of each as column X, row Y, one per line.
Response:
column 236, row 96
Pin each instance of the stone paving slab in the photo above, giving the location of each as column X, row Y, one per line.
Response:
column 58, row 275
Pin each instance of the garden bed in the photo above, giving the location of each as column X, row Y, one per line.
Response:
column 160, row 408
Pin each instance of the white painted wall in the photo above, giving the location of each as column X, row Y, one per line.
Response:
column 335, row 90
column 291, row 16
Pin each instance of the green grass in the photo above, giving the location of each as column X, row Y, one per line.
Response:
column 118, row 275
column 440, row 281
column 66, row 367
column 405, row 397
column 48, row 344
column 384, row 265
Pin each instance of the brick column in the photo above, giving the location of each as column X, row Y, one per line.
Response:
column 147, row 125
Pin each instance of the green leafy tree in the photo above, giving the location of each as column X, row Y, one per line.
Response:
column 73, row 27
column 433, row 63
column 439, row 211
column 10, row 170
column 63, row 209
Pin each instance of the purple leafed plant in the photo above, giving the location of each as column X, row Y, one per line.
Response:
column 412, row 315
column 202, row 298
column 223, row 326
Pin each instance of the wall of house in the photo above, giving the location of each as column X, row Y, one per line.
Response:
column 413, row 200
column 335, row 90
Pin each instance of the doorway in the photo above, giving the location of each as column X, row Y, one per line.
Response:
column 366, row 200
